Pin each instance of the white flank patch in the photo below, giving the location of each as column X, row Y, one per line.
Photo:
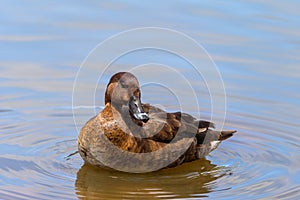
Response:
column 214, row 144
column 201, row 130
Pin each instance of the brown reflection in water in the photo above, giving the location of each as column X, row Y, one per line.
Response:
column 193, row 179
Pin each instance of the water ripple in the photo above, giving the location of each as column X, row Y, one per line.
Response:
column 248, row 165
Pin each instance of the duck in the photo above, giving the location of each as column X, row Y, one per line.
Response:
column 131, row 136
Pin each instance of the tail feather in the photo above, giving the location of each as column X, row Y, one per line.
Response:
column 226, row 134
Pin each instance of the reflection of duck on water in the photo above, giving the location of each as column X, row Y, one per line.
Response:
column 179, row 182
column 134, row 137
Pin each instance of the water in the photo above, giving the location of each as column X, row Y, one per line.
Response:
column 255, row 45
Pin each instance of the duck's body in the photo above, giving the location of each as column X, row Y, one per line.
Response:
column 127, row 134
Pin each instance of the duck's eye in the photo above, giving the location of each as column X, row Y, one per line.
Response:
column 123, row 85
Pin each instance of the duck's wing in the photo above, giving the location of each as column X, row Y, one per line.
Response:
column 175, row 123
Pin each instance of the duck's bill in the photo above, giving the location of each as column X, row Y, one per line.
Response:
column 141, row 116
column 136, row 109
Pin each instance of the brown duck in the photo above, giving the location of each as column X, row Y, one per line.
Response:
column 134, row 137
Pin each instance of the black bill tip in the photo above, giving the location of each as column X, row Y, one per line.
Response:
column 141, row 116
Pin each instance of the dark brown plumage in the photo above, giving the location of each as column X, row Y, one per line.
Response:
column 122, row 134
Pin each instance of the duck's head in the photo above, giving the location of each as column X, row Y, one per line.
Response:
column 123, row 90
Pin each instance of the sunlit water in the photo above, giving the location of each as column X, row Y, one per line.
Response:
column 255, row 45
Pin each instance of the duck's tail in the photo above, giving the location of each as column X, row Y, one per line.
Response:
column 226, row 134
column 209, row 135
